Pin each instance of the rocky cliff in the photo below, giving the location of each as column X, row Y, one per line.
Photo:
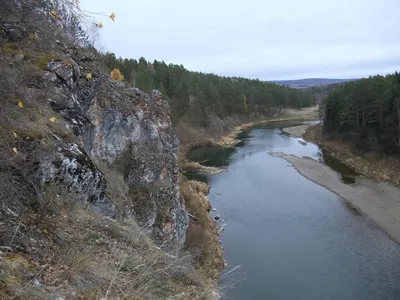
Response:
column 90, row 203
column 96, row 122
column 126, row 130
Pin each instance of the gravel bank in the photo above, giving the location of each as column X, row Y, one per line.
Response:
column 296, row 131
column 379, row 201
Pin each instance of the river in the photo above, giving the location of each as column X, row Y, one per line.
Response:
column 287, row 238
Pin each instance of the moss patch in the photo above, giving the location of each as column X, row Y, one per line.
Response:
column 11, row 49
column 42, row 60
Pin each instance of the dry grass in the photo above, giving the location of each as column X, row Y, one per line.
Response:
column 43, row 59
column 190, row 136
column 75, row 253
column 202, row 237
column 191, row 166
column 371, row 165
column 196, row 201
column 11, row 48
column 51, row 245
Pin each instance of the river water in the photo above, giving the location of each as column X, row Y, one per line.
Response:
column 287, row 238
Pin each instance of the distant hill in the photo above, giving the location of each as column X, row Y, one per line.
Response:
column 309, row 82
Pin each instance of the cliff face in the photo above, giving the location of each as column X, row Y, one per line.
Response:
column 84, row 160
column 129, row 132
column 98, row 122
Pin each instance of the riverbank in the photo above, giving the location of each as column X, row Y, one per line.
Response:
column 370, row 164
column 303, row 225
column 202, row 236
column 223, row 133
column 227, row 134
column 374, row 193
column 296, row 131
column 379, row 201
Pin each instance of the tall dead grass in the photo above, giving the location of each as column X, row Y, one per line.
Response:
column 75, row 253
column 202, row 237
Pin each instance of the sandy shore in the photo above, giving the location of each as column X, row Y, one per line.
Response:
column 379, row 201
column 296, row 131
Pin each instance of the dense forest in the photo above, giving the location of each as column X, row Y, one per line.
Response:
column 322, row 91
column 366, row 112
column 199, row 95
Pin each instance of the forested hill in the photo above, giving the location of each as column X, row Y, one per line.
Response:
column 367, row 112
column 322, row 91
column 201, row 95
column 310, row 82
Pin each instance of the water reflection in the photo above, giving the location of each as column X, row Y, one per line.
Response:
column 211, row 156
column 272, row 139
column 293, row 238
column 348, row 174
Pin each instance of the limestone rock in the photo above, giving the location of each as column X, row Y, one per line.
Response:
column 72, row 168
column 127, row 130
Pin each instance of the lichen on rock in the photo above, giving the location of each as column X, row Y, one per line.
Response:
column 73, row 169
column 127, row 130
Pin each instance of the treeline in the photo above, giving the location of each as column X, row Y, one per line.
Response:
column 367, row 112
column 199, row 95
column 322, row 91
column 196, row 95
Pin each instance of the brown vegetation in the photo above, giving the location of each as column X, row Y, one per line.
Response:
column 381, row 167
column 117, row 75
column 202, row 237
column 69, row 250
column 223, row 132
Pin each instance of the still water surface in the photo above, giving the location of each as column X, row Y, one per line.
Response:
column 292, row 238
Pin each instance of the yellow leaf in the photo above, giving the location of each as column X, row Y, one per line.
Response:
column 45, row 230
column 100, row 25
column 15, row 135
column 20, row 104
column 112, row 17
column 89, row 76
column 53, row 119
column 15, row 150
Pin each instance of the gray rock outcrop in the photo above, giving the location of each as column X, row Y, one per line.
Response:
column 128, row 131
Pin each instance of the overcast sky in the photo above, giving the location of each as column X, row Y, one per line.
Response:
column 280, row 39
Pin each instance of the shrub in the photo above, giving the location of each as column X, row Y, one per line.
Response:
column 117, row 75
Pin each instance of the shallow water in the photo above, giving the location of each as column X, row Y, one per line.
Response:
column 292, row 238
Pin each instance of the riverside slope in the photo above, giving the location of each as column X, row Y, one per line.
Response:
column 89, row 177
column 380, row 201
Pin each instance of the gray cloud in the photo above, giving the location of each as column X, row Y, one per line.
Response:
column 256, row 38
